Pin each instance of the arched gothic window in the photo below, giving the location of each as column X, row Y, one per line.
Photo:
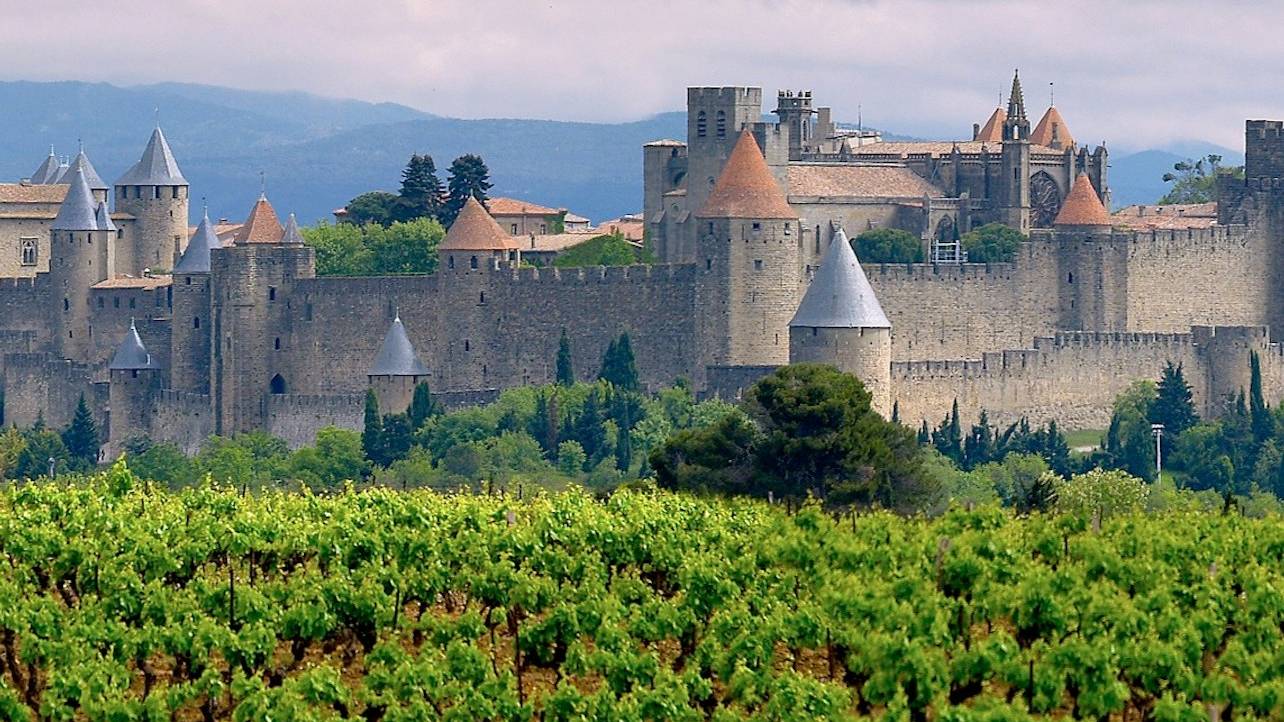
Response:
column 28, row 252
column 722, row 124
column 702, row 124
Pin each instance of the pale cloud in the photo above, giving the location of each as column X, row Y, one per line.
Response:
column 1135, row 73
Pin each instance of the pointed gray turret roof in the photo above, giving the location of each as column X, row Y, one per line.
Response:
column 48, row 171
column 840, row 295
column 131, row 354
column 397, row 357
column 292, row 234
column 103, row 219
column 157, row 167
column 62, row 174
column 196, row 259
column 81, row 161
column 77, row 212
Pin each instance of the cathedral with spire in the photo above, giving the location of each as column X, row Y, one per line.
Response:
column 176, row 334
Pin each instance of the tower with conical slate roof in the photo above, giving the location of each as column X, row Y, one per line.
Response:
column 841, row 323
column 251, row 284
column 190, row 324
column 134, row 376
column 78, row 258
column 48, row 171
column 748, row 248
column 1013, row 197
column 95, row 181
column 396, row 370
column 155, row 193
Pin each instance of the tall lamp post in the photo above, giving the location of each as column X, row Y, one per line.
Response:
column 1158, row 431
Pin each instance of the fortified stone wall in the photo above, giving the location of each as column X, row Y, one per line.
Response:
column 1073, row 378
column 297, row 417
column 39, row 385
column 25, row 306
column 181, row 418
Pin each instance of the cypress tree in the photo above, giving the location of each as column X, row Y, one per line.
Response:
column 565, row 368
column 81, row 437
column 469, row 176
column 422, row 406
column 588, row 426
column 623, row 448
column 421, row 191
column 1262, row 421
column 395, row 438
column 896, row 411
column 924, row 434
column 619, row 368
column 372, row 432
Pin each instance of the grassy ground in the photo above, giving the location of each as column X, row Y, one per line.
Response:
column 1082, row 438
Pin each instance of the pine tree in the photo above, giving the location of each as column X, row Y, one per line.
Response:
column 924, row 434
column 469, row 176
column 565, row 368
column 421, row 191
column 372, row 432
column 1262, row 420
column 422, row 406
column 1174, row 407
column 978, row 447
column 81, row 437
column 619, row 368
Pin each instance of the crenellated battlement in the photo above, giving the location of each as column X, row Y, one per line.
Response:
column 283, row 402
column 639, row 273
column 987, row 272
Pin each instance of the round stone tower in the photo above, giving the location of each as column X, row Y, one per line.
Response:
column 396, row 370
column 155, row 193
column 190, row 326
column 841, row 323
column 134, row 376
column 78, row 260
column 749, row 250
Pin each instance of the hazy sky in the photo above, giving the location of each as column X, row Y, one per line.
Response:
column 1137, row 73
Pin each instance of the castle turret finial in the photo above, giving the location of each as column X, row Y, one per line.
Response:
column 262, row 184
column 1016, row 100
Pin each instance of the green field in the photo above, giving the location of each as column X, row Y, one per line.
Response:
column 119, row 603
column 1081, row 438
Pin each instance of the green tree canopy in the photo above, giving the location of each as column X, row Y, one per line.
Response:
column 1195, row 181
column 379, row 207
column 421, row 190
column 469, row 176
column 888, row 245
column 606, row 250
column 1174, row 405
column 400, row 247
column 81, row 438
column 991, row 243
column 42, row 445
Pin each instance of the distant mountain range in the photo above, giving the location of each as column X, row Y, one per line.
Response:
column 316, row 153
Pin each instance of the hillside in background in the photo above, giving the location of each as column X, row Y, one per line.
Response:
column 316, row 153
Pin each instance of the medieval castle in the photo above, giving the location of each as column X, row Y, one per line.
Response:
column 104, row 291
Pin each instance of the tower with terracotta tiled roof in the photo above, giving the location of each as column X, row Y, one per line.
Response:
column 1013, row 196
column 252, row 284
column 749, row 249
column 155, row 193
column 1082, row 209
column 475, row 241
column 1051, row 130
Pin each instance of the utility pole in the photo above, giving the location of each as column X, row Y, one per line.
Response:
column 1158, row 431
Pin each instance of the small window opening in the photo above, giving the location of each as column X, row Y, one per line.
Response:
column 271, row 293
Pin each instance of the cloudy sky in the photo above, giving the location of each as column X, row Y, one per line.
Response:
column 1138, row 73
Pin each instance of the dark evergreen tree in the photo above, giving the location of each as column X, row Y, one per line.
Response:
column 421, row 191
column 42, row 446
column 539, row 425
column 978, row 447
column 81, row 438
column 623, row 448
column 379, row 207
column 924, row 434
column 395, row 438
column 948, row 437
column 589, row 430
column 1263, row 422
column 422, row 406
column 469, row 176
column 565, row 368
column 619, row 368
column 372, row 432
column 1174, row 407
column 896, row 411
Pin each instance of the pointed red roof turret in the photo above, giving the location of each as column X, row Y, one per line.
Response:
column 475, row 230
column 1043, row 132
column 261, row 226
column 746, row 188
column 992, row 131
column 1083, row 208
